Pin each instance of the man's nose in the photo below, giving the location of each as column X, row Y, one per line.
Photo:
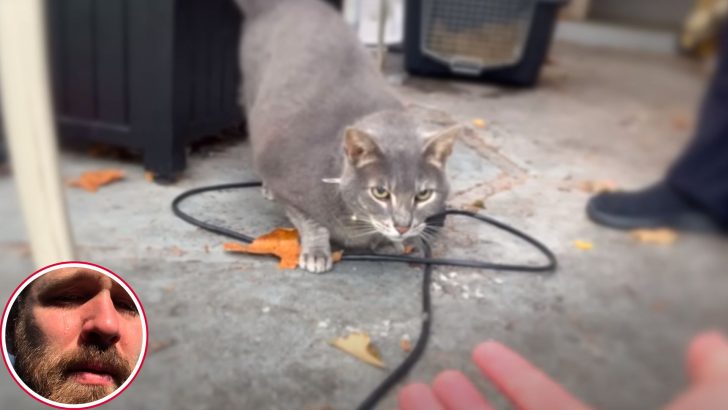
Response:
column 101, row 321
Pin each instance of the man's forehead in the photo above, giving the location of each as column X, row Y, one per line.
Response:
column 73, row 275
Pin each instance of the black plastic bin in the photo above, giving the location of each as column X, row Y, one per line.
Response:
column 502, row 41
column 150, row 75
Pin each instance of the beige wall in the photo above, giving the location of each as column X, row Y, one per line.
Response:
column 663, row 14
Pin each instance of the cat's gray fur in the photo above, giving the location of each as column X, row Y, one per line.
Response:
column 325, row 129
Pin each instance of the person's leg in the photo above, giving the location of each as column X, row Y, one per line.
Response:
column 701, row 173
column 694, row 194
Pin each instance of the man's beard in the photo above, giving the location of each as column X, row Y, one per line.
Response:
column 50, row 374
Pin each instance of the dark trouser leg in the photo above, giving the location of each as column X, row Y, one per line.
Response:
column 701, row 173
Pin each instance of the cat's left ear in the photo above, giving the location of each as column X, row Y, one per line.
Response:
column 360, row 147
column 439, row 146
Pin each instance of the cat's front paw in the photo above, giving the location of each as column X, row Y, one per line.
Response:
column 316, row 260
column 266, row 192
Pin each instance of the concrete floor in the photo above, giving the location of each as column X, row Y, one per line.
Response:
column 231, row 331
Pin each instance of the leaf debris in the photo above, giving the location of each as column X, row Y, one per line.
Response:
column 480, row 123
column 359, row 345
column 583, row 245
column 91, row 181
column 661, row 236
column 281, row 242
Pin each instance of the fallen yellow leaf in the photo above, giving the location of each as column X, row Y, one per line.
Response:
column 583, row 245
column 281, row 242
column 92, row 180
column 478, row 203
column 662, row 236
column 598, row 186
column 359, row 345
column 480, row 123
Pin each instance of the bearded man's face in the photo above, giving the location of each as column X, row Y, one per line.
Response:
column 77, row 336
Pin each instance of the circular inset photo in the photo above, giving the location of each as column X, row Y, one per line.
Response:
column 74, row 335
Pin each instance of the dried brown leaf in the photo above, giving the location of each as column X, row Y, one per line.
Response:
column 92, row 180
column 662, row 236
column 359, row 345
column 281, row 242
column 598, row 186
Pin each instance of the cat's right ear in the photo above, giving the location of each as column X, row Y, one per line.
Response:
column 360, row 147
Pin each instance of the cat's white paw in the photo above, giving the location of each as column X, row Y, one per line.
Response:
column 316, row 260
column 267, row 193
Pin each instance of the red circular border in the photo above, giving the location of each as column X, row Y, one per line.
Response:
column 146, row 326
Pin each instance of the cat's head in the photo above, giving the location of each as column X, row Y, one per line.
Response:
column 394, row 174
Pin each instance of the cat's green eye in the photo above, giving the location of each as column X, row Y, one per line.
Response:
column 424, row 195
column 380, row 192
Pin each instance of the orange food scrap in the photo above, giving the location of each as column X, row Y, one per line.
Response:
column 149, row 176
column 92, row 180
column 336, row 255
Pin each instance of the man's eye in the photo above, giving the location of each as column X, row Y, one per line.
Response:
column 126, row 306
column 68, row 299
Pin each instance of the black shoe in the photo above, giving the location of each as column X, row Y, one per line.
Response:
column 658, row 206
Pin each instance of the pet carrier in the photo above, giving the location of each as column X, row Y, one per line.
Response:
column 495, row 40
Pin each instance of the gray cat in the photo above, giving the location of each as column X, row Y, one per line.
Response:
column 332, row 144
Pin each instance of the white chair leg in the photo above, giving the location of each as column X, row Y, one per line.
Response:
column 29, row 129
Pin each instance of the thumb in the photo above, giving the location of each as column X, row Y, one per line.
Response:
column 707, row 358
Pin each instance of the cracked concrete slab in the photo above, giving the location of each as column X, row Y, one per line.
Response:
column 233, row 331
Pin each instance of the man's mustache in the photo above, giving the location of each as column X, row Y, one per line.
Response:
column 91, row 358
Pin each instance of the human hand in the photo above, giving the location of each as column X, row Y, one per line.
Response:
column 707, row 366
column 528, row 388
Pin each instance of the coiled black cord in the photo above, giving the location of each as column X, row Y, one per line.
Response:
column 428, row 262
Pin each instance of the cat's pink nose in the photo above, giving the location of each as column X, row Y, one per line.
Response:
column 401, row 229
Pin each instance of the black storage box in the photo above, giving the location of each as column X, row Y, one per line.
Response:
column 503, row 41
column 150, row 75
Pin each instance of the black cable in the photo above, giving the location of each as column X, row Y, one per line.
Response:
column 428, row 262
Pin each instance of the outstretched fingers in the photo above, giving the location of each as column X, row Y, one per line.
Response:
column 707, row 358
column 527, row 387
column 418, row 396
column 457, row 392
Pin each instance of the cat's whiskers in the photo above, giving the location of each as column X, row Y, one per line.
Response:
column 357, row 227
column 362, row 234
column 429, row 233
